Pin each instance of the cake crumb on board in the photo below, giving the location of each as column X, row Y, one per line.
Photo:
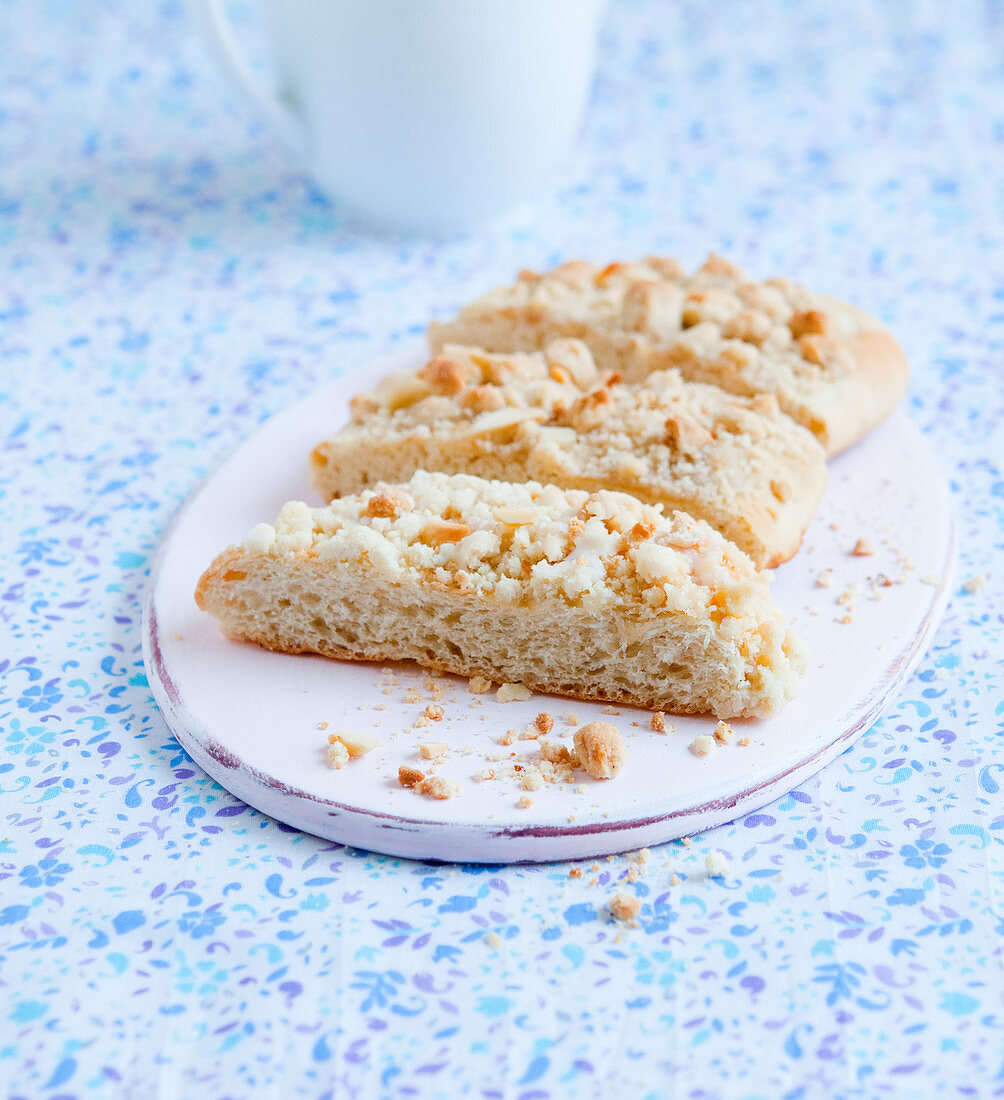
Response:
column 356, row 744
column 513, row 693
column 702, row 744
column 723, row 733
column 436, row 786
column 600, row 749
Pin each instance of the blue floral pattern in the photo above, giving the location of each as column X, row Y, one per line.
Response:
column 170, row 280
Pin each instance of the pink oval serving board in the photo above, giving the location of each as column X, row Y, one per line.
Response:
column 254, row 720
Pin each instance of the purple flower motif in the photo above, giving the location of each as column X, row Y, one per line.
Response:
column 201, row 924
column 47, row 872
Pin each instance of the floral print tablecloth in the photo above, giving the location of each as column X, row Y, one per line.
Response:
column 168, row 279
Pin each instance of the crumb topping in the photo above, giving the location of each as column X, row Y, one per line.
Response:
column 587, row 549
column 715, row 312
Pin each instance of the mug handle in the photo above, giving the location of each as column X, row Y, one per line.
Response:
column 217, row 29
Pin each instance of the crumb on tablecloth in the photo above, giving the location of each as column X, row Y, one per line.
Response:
column 716, row 865
column 624, row 907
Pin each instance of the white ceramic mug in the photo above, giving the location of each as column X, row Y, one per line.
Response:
column 425, row 115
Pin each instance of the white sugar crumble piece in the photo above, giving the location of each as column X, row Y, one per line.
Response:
column 931, row 579
column 479, row 685
column 322, row 725
column 531, row 733
column 611, row 710
column 432, row 750
column 717, row 866
column 825, row 579
column 743, row 742
column 659, row 722
column 513, row 693
column 624, row 907
column 581, row 788
column 338, row 754
column 643, row 854
column 356, row 744
column 525, row 802
column 723, row 733
column 975, row 584
column 863, row 548
column 409, row 777
column 435, row 786
column 177, row 636
column 484, row 775
column 492, row 939
column 260, row 539
column 600, row 749
column 532, row 780
column 571, row 717
column 434, row 712
column 702, row 744
column 675, row 880
column 507, row 738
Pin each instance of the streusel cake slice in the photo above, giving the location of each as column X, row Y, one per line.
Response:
column 831, row 367
column 736, row 462
column 592, row 595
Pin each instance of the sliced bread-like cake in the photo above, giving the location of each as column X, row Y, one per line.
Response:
column 736, row 462
column 831, row 367
column 595, row 596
